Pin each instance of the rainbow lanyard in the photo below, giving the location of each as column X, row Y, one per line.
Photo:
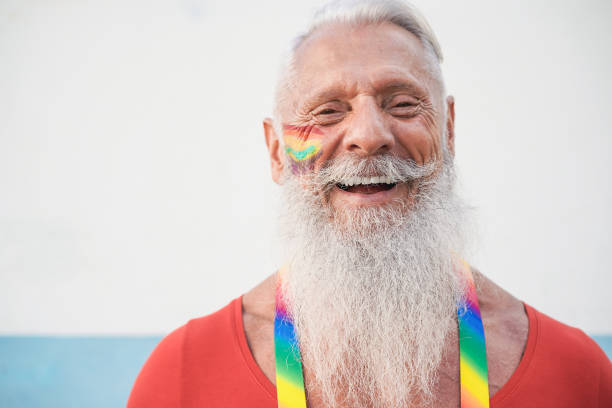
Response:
column 472, row 352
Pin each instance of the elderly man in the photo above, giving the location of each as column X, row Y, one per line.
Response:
column 374, row 306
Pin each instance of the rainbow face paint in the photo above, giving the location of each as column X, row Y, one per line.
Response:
column 472, row 350
column 302, row 149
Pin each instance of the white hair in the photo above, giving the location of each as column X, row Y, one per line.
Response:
column 360, row 12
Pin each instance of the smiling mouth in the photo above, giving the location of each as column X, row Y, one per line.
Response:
column 366, row 185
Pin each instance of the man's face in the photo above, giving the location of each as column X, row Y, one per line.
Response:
column 364, row 91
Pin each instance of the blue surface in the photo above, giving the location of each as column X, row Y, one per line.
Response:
column 82, row 372
column 605, row 342
column 70, row 372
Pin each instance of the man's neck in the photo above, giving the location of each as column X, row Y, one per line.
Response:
column 258, row 320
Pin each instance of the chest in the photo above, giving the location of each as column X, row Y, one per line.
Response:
column 504, row 351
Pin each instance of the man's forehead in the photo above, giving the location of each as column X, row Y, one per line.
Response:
column 335, row 57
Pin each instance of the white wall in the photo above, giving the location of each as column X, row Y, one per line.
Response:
column 134, row 185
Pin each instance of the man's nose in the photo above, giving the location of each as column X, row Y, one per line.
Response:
column 367, row 134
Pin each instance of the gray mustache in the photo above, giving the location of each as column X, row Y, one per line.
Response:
column 392, row 167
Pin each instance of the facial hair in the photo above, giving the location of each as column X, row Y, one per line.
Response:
column 372, row 290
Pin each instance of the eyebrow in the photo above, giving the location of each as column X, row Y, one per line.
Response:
column 314, row 99
column 394, row 85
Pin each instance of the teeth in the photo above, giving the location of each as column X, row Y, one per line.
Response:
column 353, row 181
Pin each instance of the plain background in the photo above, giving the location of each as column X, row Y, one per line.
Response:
column 134, row 183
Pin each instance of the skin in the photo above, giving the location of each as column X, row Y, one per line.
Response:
column 367, row 90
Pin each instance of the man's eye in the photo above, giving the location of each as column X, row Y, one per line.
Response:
column 403, row 109
column 327, row 111
column 404, row 105
column 328, row 116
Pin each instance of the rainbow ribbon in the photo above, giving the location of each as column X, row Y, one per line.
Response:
column 472, row 352
column 472, row 348
column 289, row 377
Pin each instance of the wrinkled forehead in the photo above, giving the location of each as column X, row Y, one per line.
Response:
column 358, row 57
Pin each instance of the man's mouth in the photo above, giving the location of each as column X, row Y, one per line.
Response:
column 366, row 185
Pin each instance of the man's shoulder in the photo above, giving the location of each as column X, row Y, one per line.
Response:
column 202, row 334
column 213, row 327
column 563, row 360
column 560, row 366
column 202, row 344
column 557, row 338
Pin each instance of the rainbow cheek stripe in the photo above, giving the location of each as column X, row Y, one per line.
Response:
column 300, row 147
column 472, row 350
column 300, row 150
column 289, row 378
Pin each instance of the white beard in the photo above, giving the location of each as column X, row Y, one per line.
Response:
column 372, row 290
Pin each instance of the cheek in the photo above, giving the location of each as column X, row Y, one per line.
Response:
column 420, row 140
column 308, row 147
column 303, row 146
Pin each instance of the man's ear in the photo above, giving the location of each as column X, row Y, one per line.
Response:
column 450, row 124
column 275, row 150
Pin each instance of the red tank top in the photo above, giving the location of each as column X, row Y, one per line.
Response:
column 207, row 363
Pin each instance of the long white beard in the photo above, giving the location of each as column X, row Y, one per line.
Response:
column 372, row 290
